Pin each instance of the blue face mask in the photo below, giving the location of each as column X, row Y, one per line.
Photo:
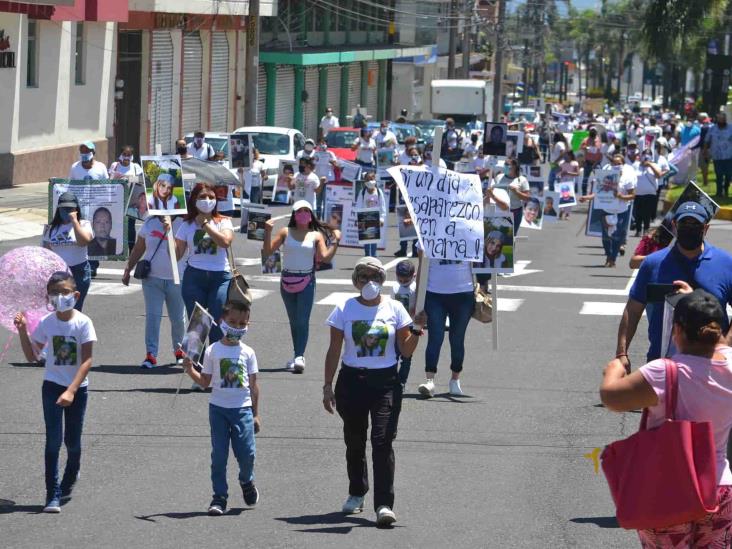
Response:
column 64, row 213
column 86, row 157
column 507, row 170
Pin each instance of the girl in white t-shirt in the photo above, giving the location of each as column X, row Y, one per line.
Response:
column 365, row 333
column 68, row 236
column 305, row 184
column 206, row 235
column 158, row 287
column 66, row 336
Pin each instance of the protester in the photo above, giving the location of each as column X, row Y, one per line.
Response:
column 406, row 293
column 305, row 184
column 325, row 164
column 384, row 138
column 230, row 368
column 365, row 148
column 365, row 331
column 590, row 148
column 644, row 203
column 704, row 394
column 691, row 259
column 451, row 142
column 308, row 150
column 205, row 235
column 258, row 175
column 68, row 236
column 198, row 148
column 158, row 286
column 557, row 155
column 658, row 239
column 302, row 241
column 372, row 197
column 471, row 150
column 718, row 141
column 414, row 160
column 405, row 157
column 181, row 149
column 328, row 122
column 518, row 189
column 66, row 336
column 125, row 168
column 529, row 155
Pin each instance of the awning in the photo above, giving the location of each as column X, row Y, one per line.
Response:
column 328, row 57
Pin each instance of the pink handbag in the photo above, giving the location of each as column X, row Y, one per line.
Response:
column 665, row 476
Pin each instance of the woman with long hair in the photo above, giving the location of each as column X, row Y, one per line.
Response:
column 304, row 241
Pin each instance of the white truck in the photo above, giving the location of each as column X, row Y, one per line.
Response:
column 463, row 100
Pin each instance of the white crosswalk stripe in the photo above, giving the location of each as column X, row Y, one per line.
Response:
column 602, row 308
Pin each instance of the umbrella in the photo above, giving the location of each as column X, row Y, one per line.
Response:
column 211, row 172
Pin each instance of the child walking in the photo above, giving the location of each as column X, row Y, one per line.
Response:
column 230, row 367
column 372, row 197
column 406, row 293
column 67, row 336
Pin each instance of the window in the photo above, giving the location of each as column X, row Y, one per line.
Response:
column 31, row 77
column 79, row 57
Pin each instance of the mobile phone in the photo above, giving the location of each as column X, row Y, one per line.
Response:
column 656, row 293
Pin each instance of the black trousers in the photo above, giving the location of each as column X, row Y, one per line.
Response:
column 362, row 393
column 644, row 207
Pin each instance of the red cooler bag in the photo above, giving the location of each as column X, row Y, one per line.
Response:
column 665, row 476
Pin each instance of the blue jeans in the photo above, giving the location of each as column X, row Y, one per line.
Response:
column 299, row 306
column 255, row 196
column 369, row 249
column 723, row 171
column 82, row 277
column 459, row 309
column 131, row 233
column 156, row 292
column 552, row 177
column 54, row 417
column 209, row 289
column 235, row 425
column 612, row 243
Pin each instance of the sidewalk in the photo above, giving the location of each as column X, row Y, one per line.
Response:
column 23, row 211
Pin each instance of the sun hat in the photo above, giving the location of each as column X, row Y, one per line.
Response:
column 368, row 264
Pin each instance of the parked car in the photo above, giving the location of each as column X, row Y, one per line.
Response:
column 427, row 128
column 274, row 144
column 339, row 141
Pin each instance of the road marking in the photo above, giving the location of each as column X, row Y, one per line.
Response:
column 259, row 294
column 113, row 288
column 629, row 285
column 247, row 261
column 602, row 308
column 520, row 269
column 392, row 263
column 104, row 271
column 507, row 305
column 338, row 298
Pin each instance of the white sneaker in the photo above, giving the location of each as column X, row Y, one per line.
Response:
column 353, row 505
column 299, row 366
column 290, row 366
column 385, row 516
column 454, row 387
column 427, row 388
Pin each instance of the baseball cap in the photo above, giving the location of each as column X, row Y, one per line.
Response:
column 697, row 309
column 693, row 210
column 309, row 141
column 90, row 145
column 302, row 204
column 405, row 268
column 68, row 200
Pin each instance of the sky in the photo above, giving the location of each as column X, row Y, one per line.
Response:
column 578, row 4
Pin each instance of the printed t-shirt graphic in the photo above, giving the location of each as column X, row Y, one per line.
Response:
column 65, row 350
column 370, row 339
column 232, row 373
column 204, row 244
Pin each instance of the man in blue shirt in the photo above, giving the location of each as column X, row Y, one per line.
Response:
column 690, row 130
column 691, row 260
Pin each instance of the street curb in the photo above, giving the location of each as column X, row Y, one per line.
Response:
column 724, row 213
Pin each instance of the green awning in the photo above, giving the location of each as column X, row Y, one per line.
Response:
column 304, row 58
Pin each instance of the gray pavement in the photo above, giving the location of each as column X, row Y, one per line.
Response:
column 503, row 467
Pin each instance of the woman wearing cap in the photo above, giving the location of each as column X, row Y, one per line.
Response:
column 163, row 198
column 704, row 394
column 68, row 236
column 365, row 332
column 302, row 241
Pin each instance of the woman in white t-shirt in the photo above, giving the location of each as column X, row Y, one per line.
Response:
column 305, row 184
column 646, row 201
column 557, row 153
column 365, row 148
column 158, row 286
column 365, row 333
column 125, row 168
column 206, row 235
column 518, row 189
column 257, row 176
column 68, row 236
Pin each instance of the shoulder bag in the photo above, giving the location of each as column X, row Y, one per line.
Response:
column 665, row 476
column 238, row 286
column 142, row 269
column 483, row 309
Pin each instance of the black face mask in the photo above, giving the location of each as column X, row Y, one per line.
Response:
column 689, row 238
column 181, row 150
column 301, row 169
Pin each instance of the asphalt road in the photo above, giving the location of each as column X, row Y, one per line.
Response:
column 503, row 467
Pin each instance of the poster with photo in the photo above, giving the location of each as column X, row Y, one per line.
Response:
column 407, row 229
column 272, row 264
column 533, row 213
column 253, row 222
column 194, row 340
column 494, row 143
column 498, row 254
column 604, row 186
column 514, row 144
column 334, row 215
column 350, row 171
column 567, row 197
column 104, row 204
column 597, row 217
column 368, row 225
column 240, row 150
column 551, row 209
column 692, row 193
column 340, row 214
column 464, row 166
column 281, row 193
column 532, row 172
column 536, row 187
column 164, row 185
column 137, row 206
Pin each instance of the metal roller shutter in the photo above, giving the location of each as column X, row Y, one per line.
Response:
column 284, row 96
column 261, row 96
column 334, row 91
column 219, row 82
column 161, row 92
column 192, row 89
column 354, row 85
column 311, row 117
column 372, row 96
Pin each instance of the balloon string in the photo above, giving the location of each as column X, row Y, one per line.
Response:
column 6, row 348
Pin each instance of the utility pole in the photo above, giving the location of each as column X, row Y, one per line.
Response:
column 452, row 40
column 498, row 68
column 467, row 16
column 252, row 63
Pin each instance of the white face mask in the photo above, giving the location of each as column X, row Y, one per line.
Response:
column 371, row 290
column 371, row 184
column 206, row 205
column 63, row 303
column 308, row 148
column 232, row 334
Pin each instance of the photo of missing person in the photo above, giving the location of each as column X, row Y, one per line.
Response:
column 137, row 206
column 65, row 350
column 272, row 264
column 370, row 339
column 536, row 187
column 203, row 243
column 255, row 223
column 286, row 171
column 567, row 197
column 368, row 224
column 407, row 229
column 334, row 215
column 231, row 372
column 514, row 144
column 498, row 245
column 494, row 143
column 240, row 150
column 533, row 213
column 197, row 331
column 164, row 185
column 551, row 211
column 102, row 244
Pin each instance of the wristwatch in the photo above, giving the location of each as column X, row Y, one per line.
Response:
column 415, row 332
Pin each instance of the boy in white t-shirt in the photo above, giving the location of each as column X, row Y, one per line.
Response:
column 230, row 367
column 406, row 294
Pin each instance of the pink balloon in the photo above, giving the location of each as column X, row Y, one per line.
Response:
column 24, row 273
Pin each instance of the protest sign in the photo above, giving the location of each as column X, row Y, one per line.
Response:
column 514, row 144
column 605, row 186
column 407, row 230
column 447, row 209
column 281, row 192
column 272, row 264
column 533, row 213
column 253, row 221
column 103, row 203
column 682, row 158
column 597, row 218
column 498, row 254
column 340, row 214
column 240, row 150
column 536, row 187
column 164, row 185
column 692, row 193
column 350, row 171
column 578, row 136
column 567, row 197
column 368, row 225
column 551, row 210
column 197, row 331
column 137, row 206
column 494, row 143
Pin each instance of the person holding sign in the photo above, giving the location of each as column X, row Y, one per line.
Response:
column 206, row 235
column 303, row 241
column 365, row 333
column 305, row 184
column 518, row 189
column 371, row 197
column 365, row 148
column 125, row 168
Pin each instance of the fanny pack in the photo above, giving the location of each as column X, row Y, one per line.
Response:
column 295, row 283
